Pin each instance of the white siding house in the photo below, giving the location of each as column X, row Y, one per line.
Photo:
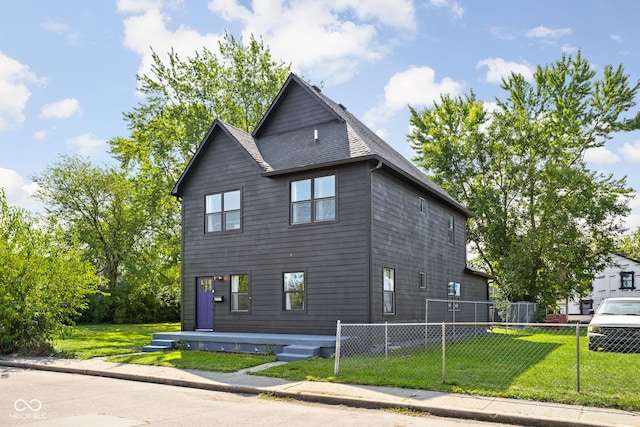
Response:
column 616, row 280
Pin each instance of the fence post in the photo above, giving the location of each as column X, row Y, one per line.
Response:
column 443, row 352
column 578, row 357
column 336, row 366
column 386, row 340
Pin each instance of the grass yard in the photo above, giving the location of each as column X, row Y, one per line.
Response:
column 193, row 359
column 524, row 365
column 535, row 364
column 87, row 341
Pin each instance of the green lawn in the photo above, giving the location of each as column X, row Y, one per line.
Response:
column 527, row 364
column 536, row 366
column 193, row 359
column 87, row 341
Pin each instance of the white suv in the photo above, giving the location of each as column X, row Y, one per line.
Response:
column 616, row 325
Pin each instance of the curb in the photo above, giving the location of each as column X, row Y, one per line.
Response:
column 438, row 411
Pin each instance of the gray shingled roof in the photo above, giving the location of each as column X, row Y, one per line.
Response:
column 274, row 154
column 368, row 143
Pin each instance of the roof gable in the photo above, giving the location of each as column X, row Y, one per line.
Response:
column 295, row 107
column 243, row 139
column 304, row 129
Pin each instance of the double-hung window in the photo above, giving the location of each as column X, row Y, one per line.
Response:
column 313, row 200
column 389, row 291
column 451, row 229
column 222, row 211
column 293, row 291
column 239, row 292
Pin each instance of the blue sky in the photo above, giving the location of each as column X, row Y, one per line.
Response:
column 68, row 68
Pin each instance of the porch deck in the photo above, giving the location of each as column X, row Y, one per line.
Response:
column 286, row 347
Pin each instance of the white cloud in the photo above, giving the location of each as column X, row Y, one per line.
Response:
column 498, row 69
column 40, row 135
column 17, row 191
column 600, row 156
column 453, row 5
column 548, row 33
column 87, row 144
column 14, row 92
column 631, row 152
column 328, row 41
column 416, row 87
column 633, row 219
column 616, row 37
column 134, row 6
column 148, row 28
column 63, row 109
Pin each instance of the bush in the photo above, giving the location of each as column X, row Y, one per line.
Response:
column 44, row 282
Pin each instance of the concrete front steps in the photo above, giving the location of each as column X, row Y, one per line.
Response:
column 159, row 345
column 286, row 347
column 291, row 353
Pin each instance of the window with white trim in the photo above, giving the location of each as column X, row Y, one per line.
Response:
column 451, row 229
column 223, row 211
column 389, row 291
column 239, row 292
column 423, row 280
column 313, row 200
column 293, row 286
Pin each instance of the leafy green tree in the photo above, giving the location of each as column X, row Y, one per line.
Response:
column 629, row 246
column 544, row 222
column 103, row 207
column 183, row 97
column 44, row 281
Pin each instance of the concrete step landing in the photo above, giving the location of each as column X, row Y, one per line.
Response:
column 159, row 345
column 292, row 353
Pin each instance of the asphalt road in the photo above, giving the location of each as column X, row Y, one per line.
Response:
column 56, row 399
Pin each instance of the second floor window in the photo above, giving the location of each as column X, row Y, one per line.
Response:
column 313, row 200
column 222, row 211
column 450, row 230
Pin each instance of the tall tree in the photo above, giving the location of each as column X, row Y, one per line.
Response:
column 103, row 207
column 629, row 246
column 544, row 222
column 44, row 281
column 183, row 97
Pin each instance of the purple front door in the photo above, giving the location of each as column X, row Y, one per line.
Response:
column 204, row 303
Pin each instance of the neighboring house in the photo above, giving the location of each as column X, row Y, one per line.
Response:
column 310, row 219
column 616, row 280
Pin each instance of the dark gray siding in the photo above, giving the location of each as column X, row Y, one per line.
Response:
column 412, row 242
column 333, row 255
column 295, row 110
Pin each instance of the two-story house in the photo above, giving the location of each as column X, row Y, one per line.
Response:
column 617, row 279
column 310, row 219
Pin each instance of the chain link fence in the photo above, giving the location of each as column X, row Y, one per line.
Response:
column 454, row 310
column 550, row 358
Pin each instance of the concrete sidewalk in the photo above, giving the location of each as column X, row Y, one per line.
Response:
column 513, row 411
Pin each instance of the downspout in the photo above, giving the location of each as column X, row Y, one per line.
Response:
column 370, row 284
